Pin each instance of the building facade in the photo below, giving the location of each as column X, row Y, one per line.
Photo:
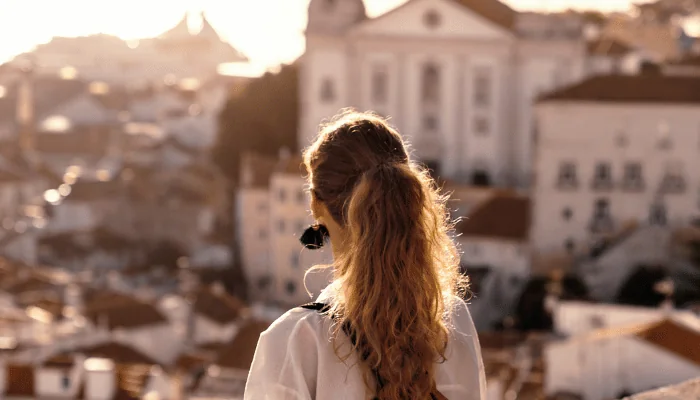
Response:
column 457, row 77
column 614, row 151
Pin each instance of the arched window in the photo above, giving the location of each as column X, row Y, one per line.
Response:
column 430, row 83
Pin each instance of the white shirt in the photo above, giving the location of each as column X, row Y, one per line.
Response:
column 295, row 360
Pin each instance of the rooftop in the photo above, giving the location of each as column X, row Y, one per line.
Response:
column 646, row 88
column 500, row 217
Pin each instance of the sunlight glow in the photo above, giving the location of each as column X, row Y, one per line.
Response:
column 68, row 73
column 56, row 123
column 3, row 91
column 52, row 196
column 98, row 88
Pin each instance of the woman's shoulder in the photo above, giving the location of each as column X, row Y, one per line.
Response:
column 294, row 322
column 460, row 318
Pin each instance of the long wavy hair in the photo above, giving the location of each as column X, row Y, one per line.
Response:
column 397, row 277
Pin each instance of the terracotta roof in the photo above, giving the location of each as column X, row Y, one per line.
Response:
column 191, row 360
column 118, row 353
column 126, row 314
column 63, row 361
column 500, row 217
column 221, row 308
column 674, row 338
column 608, row 47
column 493, row 10
column 239, row 353
column 631, row 89
column 19, row 381
column 688, row 61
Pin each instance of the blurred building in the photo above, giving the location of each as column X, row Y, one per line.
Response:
column 178, row 52
column 457, row 77
column 615, row 154
column 272, row 211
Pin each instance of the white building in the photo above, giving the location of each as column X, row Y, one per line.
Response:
column 614, row 151
column 457, row 77
column 608, row 363
column 272, row 211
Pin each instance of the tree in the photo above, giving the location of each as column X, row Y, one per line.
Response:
column 262, row 117
column 640, row 287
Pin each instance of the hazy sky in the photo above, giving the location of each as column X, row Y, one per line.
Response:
column 268, row 31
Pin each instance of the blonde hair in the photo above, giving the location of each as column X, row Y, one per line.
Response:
column 398, row 276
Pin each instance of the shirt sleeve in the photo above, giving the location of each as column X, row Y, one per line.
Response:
column 465, row 325
column 285, row 363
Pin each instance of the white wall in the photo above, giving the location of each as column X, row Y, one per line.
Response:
column 160, row 342
column 49, row 381
column 586, row 133
column 401, row 42
column 289, row 217
column 255, row 234
column 575, row 318
column 208, row 331
column 601, row 368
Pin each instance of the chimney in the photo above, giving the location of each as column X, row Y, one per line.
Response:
column 100, row 379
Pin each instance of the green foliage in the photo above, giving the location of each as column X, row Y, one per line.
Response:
column 261, row 117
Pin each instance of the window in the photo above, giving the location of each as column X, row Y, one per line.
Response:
column 430, row 123
column 281, row 226
column 294, row 259
column 301, row 225
column 632, row 179
column 482, row 86
column 432, row 19
column 430, row 84
column 380, row 84
column 327, row 91
column 621, row 139
column 291, row 287
column 481, row 125
column 657, row 214
column 282, row 195
column 264, row 282
column 602, row 178
column 601, row 222
column 673, row 181
column 569, row 245
column 481, row 178
column 567, row 213
column 567, row 175
column 664, row 136
column 65, row 381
